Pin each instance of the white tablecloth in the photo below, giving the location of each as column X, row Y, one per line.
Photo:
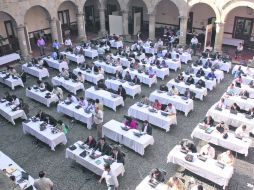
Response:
column 149, row 50
column 174, row 65
column 218, row 73
column 208, row 170
column 108, row 68
column 92, row 53
column 181, row 86
column 104, row 97
column 142, row 77
column 185, row 57
column 113, row 130
column 40, row 96
column 116, row 44
column 244, row 69
column 247, row 88
column 245, row 104
column 247, row 79
column 224, row 66
column 68, row 84
column 75, row 58
column 78, row 114
column 139, row 57
column 10, row 115
column 123, row 60
column 182, row 105
column 142, row 113
column 160, row 73
column 209, row 84
column 232, row 143
column 7, row 162
column 9, row 58
column 229, row 118
column 90, row 164
column 130, row 90
column 89, row 76
column 11, row 82
column 45, row 136
column 144, row 185
column 36, row 71
column 56, row 64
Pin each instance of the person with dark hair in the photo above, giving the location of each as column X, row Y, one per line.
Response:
column 110, row 178
column 190, row 80
column 208, row 121
column 146, row 128
column 48, row 87
column 242, row 132
column 90, row 142
column 188, row 145
column 7, row 96
column 117, row 155
column 62, row 127
column 175, row 183
column 121, row 91
column 43, row 183
column 103, row 147
column 157, row 175
column 197, row 187
column 41, row 85
column 71, row 98
column 98, row 104
column 136, row 80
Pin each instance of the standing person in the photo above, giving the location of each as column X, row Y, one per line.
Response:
column 56, row 46
column 43, row 183
column 68, row 43
column 194, row 43
column 110, row 178
column 98, row 120
column 41, row 44
column 239, row 50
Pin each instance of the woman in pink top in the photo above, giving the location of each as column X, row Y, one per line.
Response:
column 131, row 123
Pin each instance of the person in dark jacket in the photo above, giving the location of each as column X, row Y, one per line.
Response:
column 117, row 155
column 103, row 147
column 90, row 142
column 147, row 128
column 121, row 91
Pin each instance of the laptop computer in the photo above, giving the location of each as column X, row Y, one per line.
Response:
column 138, row 134
column 83, row 154
column 125, row 128
column 202, row 158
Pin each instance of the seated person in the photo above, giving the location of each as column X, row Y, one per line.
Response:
column 238, row 72
column 157, row 175
column 54, row 55
column 7, row 96
column 235, row 107
column 121, row 92
column 95, row 69
column 208, row 121
column 174, row 90
column 242, row 132
column 157, row 104
column 64, row 73
column 211, row 75
column 127, row 76
column 58, row 91
column 201, row 83
column 118, row 75
column 151, row 72
column 12, row 71
column 50, row 120
column 131, row 123
column 180, row 77
column 117, row 155
column 90, row 142
column 61, row 126
column 231, row 90
column 227, row 158
column 221, row 104
column 164, row 88
column 188, row 145
column 189, row 94
column 100, row 70
column 118, row 62
column 15, row 101
column 200, row 72
column 222, row 128
column 190, row 80
column 41, row 115
column 238, row 81
column 175, row 183
column 103, row 147
column 80, row 77
column 48, row 86
column 251, row 112
column 71, row 98
column 83, row 102
column 244, row 93
column 146, row 128
column 136, row 80
column 145, row 100
column 189, row 70
column 41, row 85
column 170, row 109
column 101, row 84
column 207, row 151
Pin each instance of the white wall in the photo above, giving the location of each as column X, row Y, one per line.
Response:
column 72, row 10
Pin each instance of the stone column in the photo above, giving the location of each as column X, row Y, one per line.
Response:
column 53, row 28
column 219, row 36
column 22, row 41
column 81, row 27
column 152, row 27
column 125, row 23
column 102, row 21
column 183, row 30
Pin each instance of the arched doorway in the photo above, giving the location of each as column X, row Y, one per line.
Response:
column 112, row 8
column 198, row 20
column 8, row 34
column 67, row 15
column 91, row 10
column 37, row 24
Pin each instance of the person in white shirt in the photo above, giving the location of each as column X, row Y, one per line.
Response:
column 174, row 90
column 242, row 132
column 15, row 101
column 227, row 158
column 72, row 99
column 207, row 151
column 80, row 77
column 110, row 178
column 64, row 73
column 43, row 183
column 41, row 85
column 194, row 43
column 160, row 43
column 101, row 70
column 68, row 42
column 83, row 102
column 221, row 104
column 239, row 50
column 170, row 109
column 58, row 91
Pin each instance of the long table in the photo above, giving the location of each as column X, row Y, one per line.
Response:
column 78, row 114
column 94, row 165
column 70, row 85
column 159, row 72
column 142, row 77
column 244, row 69
column 123, row 60
column 7, row 113
column 130, row 90
column 56, row 64
column 90, row 76
column 229, row 118
column 232, row 143
column 107, row 67
column 46, row 135
column 9, row 58
column 39, row 96
column 208, row 170
column 36, row 71
column 113, row 130
column 247, row 88
column 156, row 119
column 218, row 73
column 174, row 65
column 245, row 104
column 181, row 86
column 224, row 66
column 92, row 53
column 182, row 105
column 105, row 97
column 7, row 162
column 75, row 58
column 144, row 185
column 10, row 81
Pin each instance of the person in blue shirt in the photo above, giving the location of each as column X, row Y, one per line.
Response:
column 238, row 72
column 211, row 75
column 54, row 55
column 56, row 45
